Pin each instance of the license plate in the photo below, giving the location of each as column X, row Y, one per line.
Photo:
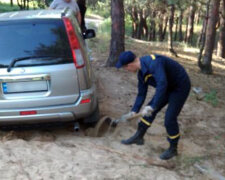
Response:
column 25, row 86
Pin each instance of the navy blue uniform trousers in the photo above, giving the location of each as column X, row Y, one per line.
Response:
column 175, row 100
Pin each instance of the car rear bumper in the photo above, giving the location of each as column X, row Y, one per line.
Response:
column 60, row 113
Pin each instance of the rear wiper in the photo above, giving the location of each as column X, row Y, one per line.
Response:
column 26, row 58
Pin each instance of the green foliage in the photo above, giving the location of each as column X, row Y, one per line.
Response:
column 104, row 33
column 35, row 4
column 91, row 3
column 128, row 26
column 6, row 8
column 105, row 27
column 139, row 3
column 211, row 97
column 101, row 9
column 41, row 4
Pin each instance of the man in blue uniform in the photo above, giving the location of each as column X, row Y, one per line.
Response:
column 172, row 87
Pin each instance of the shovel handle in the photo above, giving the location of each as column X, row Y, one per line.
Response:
column 137, row 115
column 115, row 122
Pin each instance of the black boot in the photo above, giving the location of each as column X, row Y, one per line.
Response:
column 137, row 138
column 170, row 152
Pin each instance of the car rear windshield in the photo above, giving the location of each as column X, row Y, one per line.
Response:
column 19, row 39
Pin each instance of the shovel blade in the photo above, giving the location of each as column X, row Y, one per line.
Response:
column 114, row 123
column 117, row 121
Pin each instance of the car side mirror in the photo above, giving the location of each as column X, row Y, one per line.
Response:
column 89, row 33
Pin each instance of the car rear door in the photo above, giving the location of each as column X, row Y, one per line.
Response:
column 43, row 74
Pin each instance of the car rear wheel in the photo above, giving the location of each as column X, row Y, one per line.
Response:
column 92, row 120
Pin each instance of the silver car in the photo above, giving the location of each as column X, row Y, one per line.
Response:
column 45, row 73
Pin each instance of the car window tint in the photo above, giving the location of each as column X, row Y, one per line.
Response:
column 34, row 38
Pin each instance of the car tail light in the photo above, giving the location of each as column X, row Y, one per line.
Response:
column 84, row 101
column 22, row 113
column 74, row 44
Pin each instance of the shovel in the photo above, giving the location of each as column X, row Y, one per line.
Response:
column 124, row 119
column 106, row 123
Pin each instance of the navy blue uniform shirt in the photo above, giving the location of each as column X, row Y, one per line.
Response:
column 161, row 72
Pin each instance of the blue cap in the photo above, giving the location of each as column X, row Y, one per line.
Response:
column 125, row 58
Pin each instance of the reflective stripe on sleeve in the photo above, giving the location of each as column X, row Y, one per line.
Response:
column 147, row 76
column 145, row 122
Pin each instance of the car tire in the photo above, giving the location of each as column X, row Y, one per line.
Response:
column 92, row 120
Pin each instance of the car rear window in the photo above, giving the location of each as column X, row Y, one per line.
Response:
column 37, row 38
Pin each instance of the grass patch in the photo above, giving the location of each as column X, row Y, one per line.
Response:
column 103, row 44
column 211, row 97
column 187, row 161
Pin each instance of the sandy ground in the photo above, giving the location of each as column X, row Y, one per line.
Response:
column 62, row 154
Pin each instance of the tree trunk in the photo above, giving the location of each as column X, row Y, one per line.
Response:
column 201, row 38
column 20, row 3
column 118, row 30
column 154, row 28
column 165, row 28
column 190, row 24
column 24, row 4
column 205, row 63
column 152, row 31
column 176, row 29
column 198, row 15
column 141, row 24
column 144, row 31
column 203, row 33
column 27, row 5
column 221, row 42
column 11, row 3
column 170, row 34
column 135, row 24
column 185, row 39
column 160, row 27
column 180, row 25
